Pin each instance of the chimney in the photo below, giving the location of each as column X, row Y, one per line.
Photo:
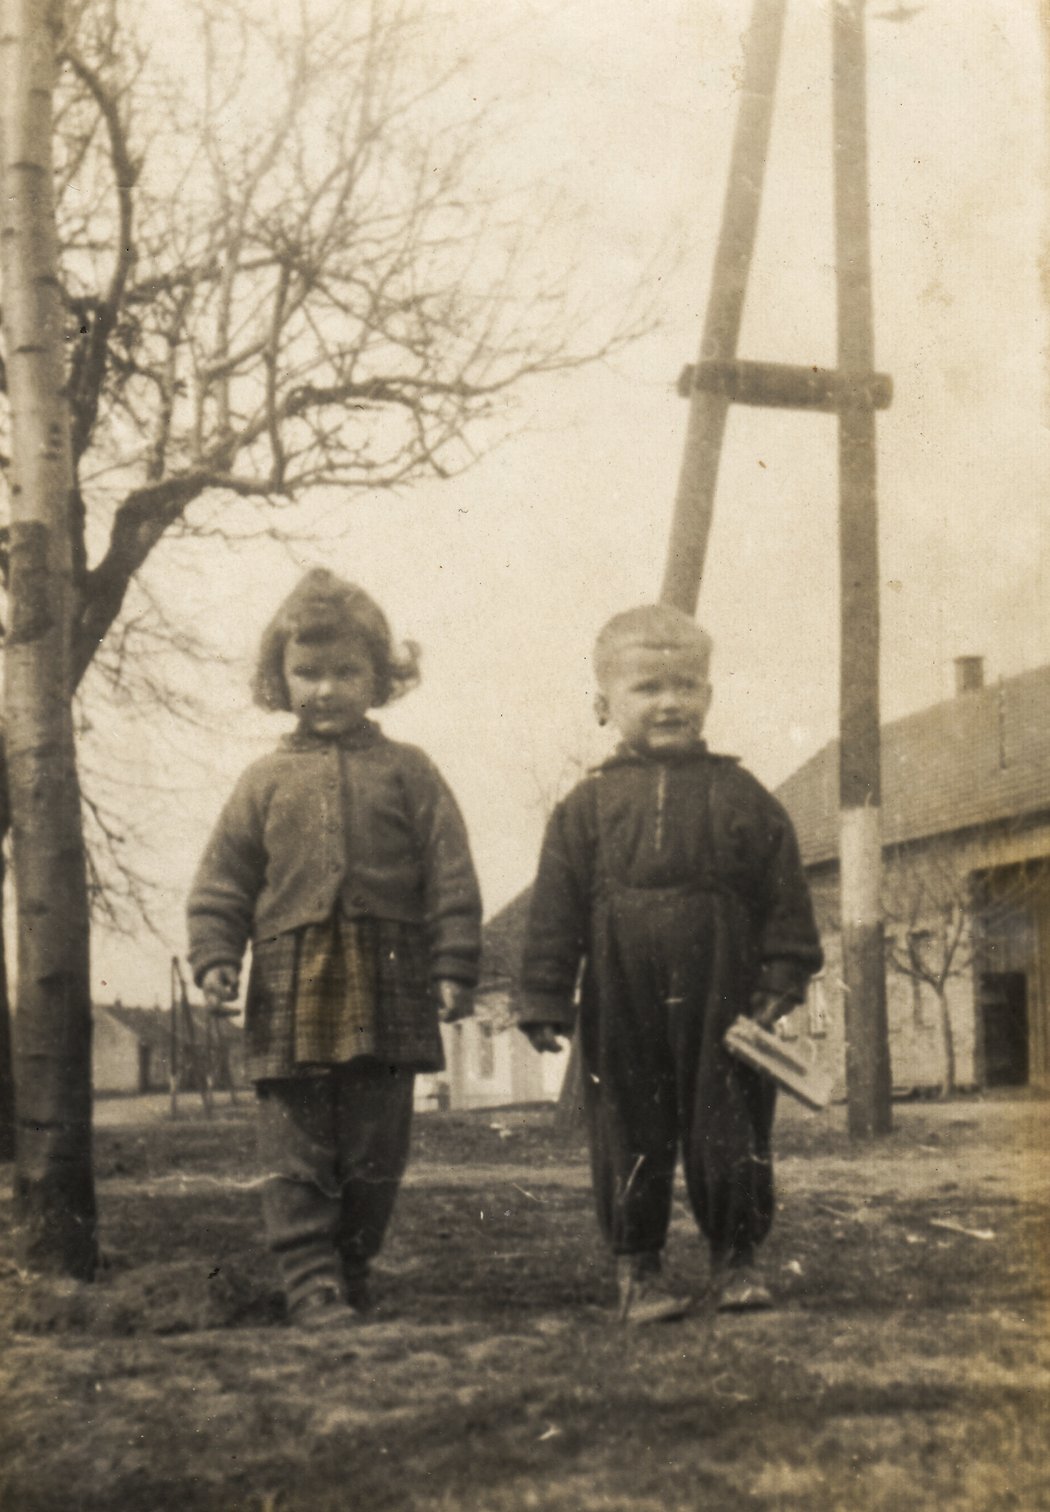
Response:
column 969, row 674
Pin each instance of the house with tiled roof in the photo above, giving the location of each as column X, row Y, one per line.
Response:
column 966, row 834
column 132, row 1049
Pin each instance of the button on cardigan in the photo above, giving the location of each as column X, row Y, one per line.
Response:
column 364, row 825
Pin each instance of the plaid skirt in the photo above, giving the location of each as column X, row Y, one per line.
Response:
column 331, row 993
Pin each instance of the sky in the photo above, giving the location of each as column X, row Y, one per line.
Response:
column 505, row 574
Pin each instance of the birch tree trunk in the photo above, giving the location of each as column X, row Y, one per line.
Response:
column 7, row 1051
column 55, row 1218
column 947, row 1041
column 7, row 1062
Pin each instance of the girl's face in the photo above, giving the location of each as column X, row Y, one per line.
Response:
column 331, row 685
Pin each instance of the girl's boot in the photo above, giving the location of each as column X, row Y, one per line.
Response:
column 300, row 1222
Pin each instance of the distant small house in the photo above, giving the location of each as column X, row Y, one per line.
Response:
column 489, row 1062
column 122, row 1058
column 966, row 832
column 132, row 1050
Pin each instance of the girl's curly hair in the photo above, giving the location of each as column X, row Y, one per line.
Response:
column 321, row 608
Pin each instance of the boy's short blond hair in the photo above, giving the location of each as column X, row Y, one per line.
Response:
column 653, row 627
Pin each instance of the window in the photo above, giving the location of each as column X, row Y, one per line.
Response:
column 486, row 1052
column 817, row 1006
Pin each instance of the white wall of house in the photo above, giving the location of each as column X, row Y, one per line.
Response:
column 917, row 1056
column 915, row 1034
column 489, row 1063
column 917, row 1048
column 114, row 1055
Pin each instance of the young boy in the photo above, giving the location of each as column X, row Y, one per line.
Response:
column 675, row 879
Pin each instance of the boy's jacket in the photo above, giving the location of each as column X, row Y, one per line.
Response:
column 367, row 825
column 689, row 821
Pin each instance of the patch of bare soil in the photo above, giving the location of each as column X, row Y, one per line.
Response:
column 907, row 1363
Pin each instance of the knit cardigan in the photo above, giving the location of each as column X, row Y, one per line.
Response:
column 364, row 824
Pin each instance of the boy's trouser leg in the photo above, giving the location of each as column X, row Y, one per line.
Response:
column 728, row 1161
column 670, row 971
column 297, row 1149
column 373, row 1130
column 725, row 1108
column 632, row 1148
column 629, row 1088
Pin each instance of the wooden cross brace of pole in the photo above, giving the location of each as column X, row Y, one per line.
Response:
column 783, row 385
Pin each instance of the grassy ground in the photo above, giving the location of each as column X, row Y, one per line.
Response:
column 907, row 1365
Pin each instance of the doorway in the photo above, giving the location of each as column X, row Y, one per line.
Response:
column 1004, row 1028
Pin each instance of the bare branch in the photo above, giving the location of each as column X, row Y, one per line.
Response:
column 89, row 367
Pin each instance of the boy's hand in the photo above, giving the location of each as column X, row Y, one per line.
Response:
column 543, row 1037
column 768, row 1007
column 455, row 1001
column 220, row 984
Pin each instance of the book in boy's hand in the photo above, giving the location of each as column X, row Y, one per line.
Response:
column 765, row 1051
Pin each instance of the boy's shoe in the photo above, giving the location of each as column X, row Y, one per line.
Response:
column 643, row 1296
column 741, row 1289
column 321, row 1309
column 358, row 1292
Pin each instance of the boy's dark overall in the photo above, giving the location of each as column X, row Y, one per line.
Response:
column 675, row 878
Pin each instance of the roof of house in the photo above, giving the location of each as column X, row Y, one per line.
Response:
column 152, row 1026
column 502, row 939
column 978, row 758
column 501, row 944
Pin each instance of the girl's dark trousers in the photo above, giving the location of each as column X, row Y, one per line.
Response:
column 334, row 1147
column 668, row 971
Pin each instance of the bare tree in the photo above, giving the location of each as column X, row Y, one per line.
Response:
column 929, row 934
column 280, row 272
column 7, row 1058
column 940, row 914
column 321, row 298
column 54, row 1189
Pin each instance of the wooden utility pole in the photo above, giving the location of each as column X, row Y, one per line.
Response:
column 853, row 391
column 868, row 1081
column 708, row 408
column 55, row 1221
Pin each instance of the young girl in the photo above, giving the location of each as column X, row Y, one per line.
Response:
column 342, row 856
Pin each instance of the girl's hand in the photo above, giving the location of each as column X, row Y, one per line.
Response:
column 220, row 984
column 455, row 1001
column 542, row 1037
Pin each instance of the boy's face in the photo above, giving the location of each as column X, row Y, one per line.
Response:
column 331, row 685
column 656, row 698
